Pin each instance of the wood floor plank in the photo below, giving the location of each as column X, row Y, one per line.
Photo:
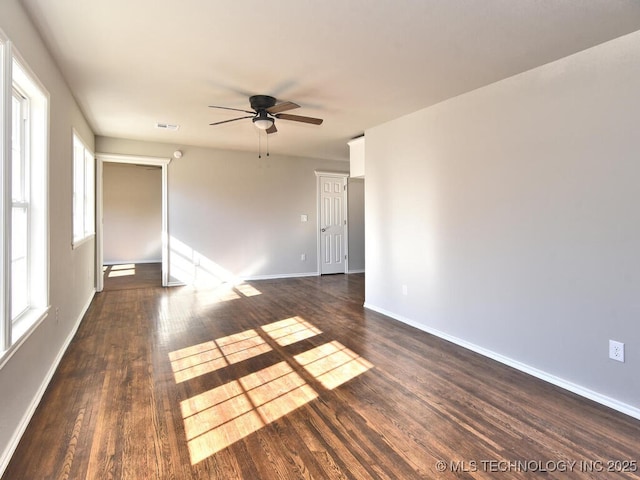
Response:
column 294, row 379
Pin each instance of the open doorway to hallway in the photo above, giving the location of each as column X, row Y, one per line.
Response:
column 125, row 206
column 132, row 225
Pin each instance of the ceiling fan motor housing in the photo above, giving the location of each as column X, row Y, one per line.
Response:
column 261, row 102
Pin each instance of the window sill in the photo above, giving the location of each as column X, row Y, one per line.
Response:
column 22, row 329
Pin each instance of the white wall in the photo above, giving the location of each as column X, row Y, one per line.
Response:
column 511, row 215
column 232, row 214
column 132, row 213
column 24, row 376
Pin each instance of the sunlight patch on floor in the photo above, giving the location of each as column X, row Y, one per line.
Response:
column 121, row 273
column 210, row 356
column 220, row 417
column 247, row 290
column 224, row 295
column 242, row 346
column 124, row 266
column 123, row 270
column 291, row 330
column 332, row 364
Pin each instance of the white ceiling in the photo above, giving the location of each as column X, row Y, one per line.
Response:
column 355, row 63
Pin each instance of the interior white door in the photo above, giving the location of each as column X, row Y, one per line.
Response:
column 333, row 225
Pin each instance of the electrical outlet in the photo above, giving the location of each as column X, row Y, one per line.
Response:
column 303, row 257
column 616, row 350
column 57, row 315
column 405, row 290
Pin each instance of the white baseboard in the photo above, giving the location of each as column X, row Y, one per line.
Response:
column 541, row 374
column 250, row 278
column 128, row 262
column 282, row 275
column 24, row 422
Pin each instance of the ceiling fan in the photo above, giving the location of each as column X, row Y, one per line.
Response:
column 264, row 112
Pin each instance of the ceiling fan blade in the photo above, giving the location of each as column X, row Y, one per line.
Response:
column 232, row 120
column 298, row 118
column 272, row 129
column 282, row 107
column 234, row 109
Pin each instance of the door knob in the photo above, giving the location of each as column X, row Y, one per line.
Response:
column 323, row 230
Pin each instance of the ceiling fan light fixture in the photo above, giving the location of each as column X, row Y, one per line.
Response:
column 263, row 121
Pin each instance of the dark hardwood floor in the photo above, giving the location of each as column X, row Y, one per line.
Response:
column 130, row 276
column 293, row 379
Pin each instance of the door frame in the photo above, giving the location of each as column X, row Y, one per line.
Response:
column 345, row 206
column 101, row 158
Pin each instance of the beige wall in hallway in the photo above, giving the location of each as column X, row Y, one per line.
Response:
column 132, row 211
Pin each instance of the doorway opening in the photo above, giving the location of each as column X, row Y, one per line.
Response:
column 131, row 256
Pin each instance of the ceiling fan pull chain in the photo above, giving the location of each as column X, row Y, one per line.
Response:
column 267, row 145
column 259, row 145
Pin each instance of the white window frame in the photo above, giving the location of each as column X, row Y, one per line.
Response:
column 84, row 192
column 17, row 79
column 21, row 201
column 5, row 182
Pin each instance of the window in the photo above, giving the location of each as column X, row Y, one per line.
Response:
column 23, row 199
column 83, row 192
column 19, row 205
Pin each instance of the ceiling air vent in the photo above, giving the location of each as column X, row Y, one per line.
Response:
column 167, row 126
